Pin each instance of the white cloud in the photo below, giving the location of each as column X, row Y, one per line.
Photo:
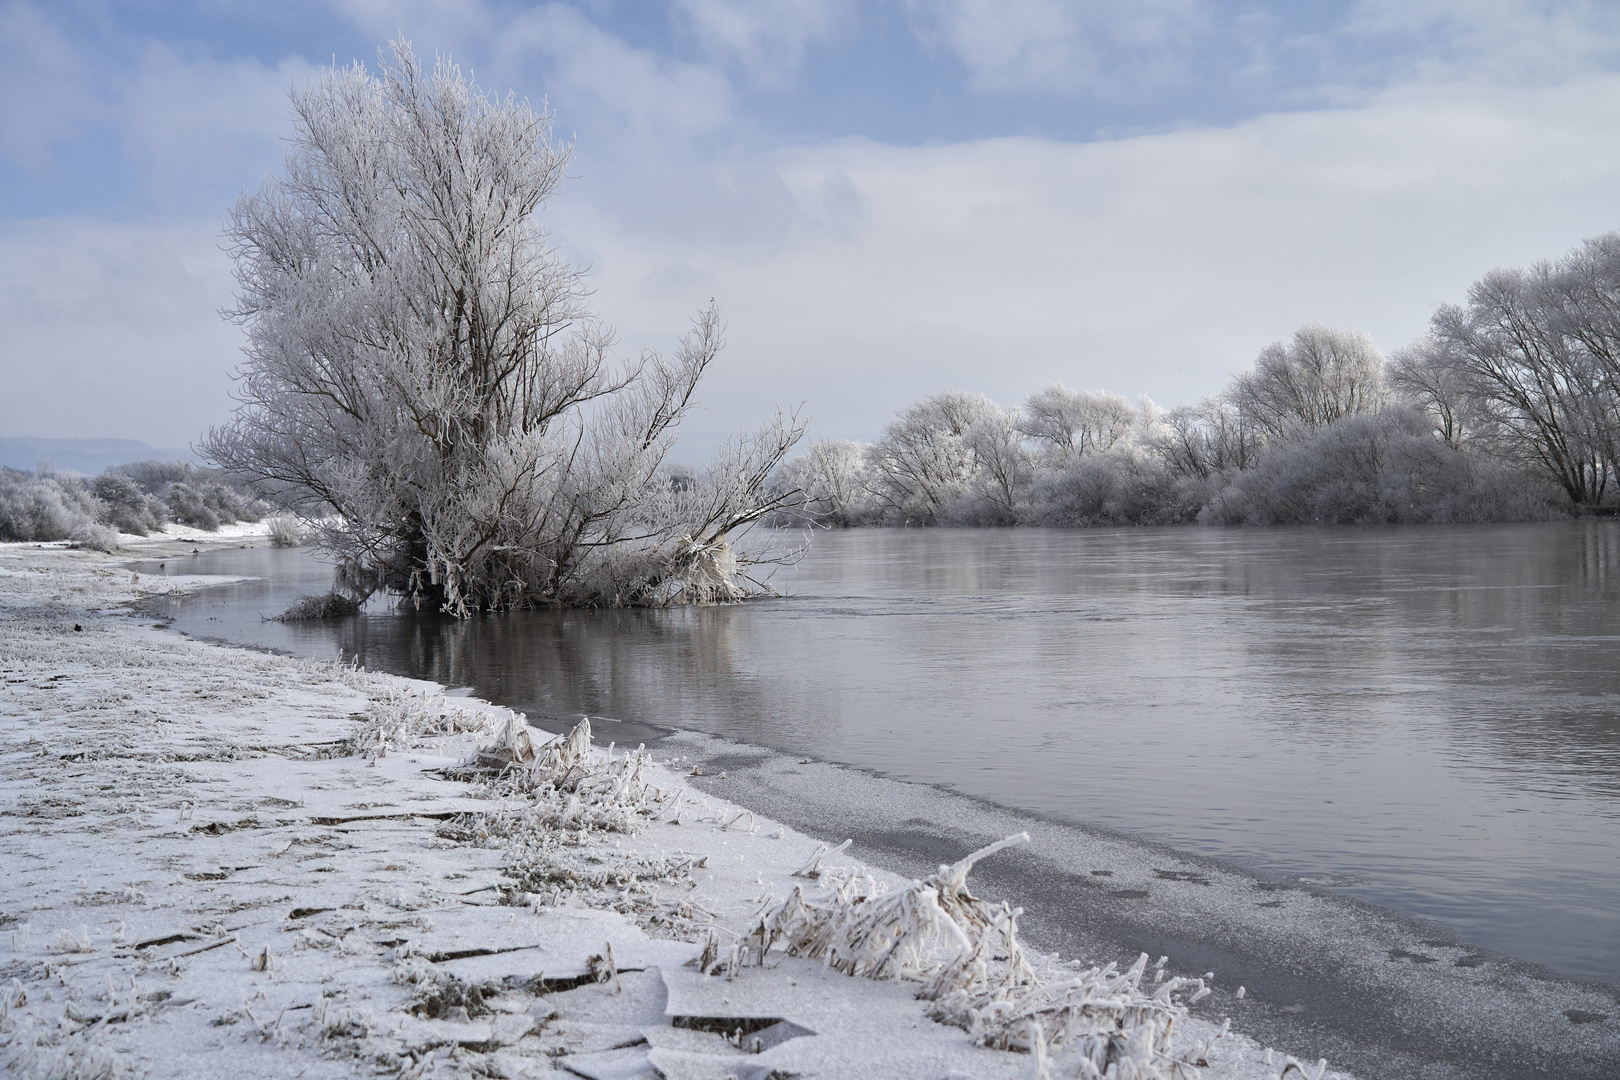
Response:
column 1065, row 46
column 767, row 37
column 637, row 93
column 1158, row 264
column 196, row 122
column 113, row 330
column 1503, row 41
column 45, row 84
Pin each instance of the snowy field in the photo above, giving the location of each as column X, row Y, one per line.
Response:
column 221, row 862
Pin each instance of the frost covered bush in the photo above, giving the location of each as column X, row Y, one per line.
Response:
column 561, row 784
column 45, row 506
column 286, row 531
column 186, row 506
column 1115, row 489
column 125, row 506
column 153, row 475
column 134, row 498
column 93, row 536
column 401, row 720
column 1380, row 468
column 330, row 605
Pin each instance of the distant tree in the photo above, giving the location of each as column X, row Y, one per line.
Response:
column 1073, row 423
column 1542, row 395
column 832, row 479
column 426, row 384
column 1584, row 290
column 1209, row 439
column 924, row 461
column 1382, row 467
column 1322, row 375
column 1423, row 376
column 1003, row 470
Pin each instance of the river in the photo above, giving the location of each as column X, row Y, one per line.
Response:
column 1423, row 717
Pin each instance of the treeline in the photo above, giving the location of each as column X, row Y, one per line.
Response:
column 1507, row 409
column 139, row 498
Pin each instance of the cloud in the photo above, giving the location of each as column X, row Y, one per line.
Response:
column 631, row 92
column 1505, row 40
column 1065, row 46
column 767, row 37
column 194, row 122
column 46, row 86
column 113, row 330
column 1158, row 264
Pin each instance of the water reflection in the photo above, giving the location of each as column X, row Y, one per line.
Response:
column 1427, row 712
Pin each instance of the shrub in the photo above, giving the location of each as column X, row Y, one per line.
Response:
column 188, row 508
column 286, row 532
column 152, row 475
column 125, row 506
column 96, row 537
column 42, row 507
column 1384, row 467
column 327, row 606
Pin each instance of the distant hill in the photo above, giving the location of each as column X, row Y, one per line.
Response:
column 88, row 456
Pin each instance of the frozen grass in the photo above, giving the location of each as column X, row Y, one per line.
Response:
column 403, row 719
column 964, row 955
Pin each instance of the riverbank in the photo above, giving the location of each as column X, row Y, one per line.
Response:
column 228, row 862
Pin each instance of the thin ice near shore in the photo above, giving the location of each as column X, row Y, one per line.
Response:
column 227, row 862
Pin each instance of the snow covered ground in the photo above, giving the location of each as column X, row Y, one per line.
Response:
column 220, row 862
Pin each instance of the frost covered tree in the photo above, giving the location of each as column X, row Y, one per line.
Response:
column 832, row 478
column 1210, row 439
column 1424, row 376
column 426, row 382
column 1542, row 395
column 1321, row 376
column 1074, row 423
column 925, row 461
column 1003, row 471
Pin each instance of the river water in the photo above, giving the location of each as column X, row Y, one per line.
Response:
column 1424, row 717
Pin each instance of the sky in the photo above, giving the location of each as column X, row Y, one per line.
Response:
column 886, row 199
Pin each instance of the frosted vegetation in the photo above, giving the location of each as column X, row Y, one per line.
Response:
column 427, row 388
column 1508, row 409
column 137, row 499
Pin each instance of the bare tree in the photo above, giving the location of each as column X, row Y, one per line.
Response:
column 425, row 379
column 1321, row 376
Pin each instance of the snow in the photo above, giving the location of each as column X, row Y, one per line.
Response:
column 221, row 862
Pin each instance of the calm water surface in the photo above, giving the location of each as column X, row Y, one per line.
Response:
column 1424, row 717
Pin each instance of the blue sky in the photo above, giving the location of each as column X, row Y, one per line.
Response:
column 886, row 198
